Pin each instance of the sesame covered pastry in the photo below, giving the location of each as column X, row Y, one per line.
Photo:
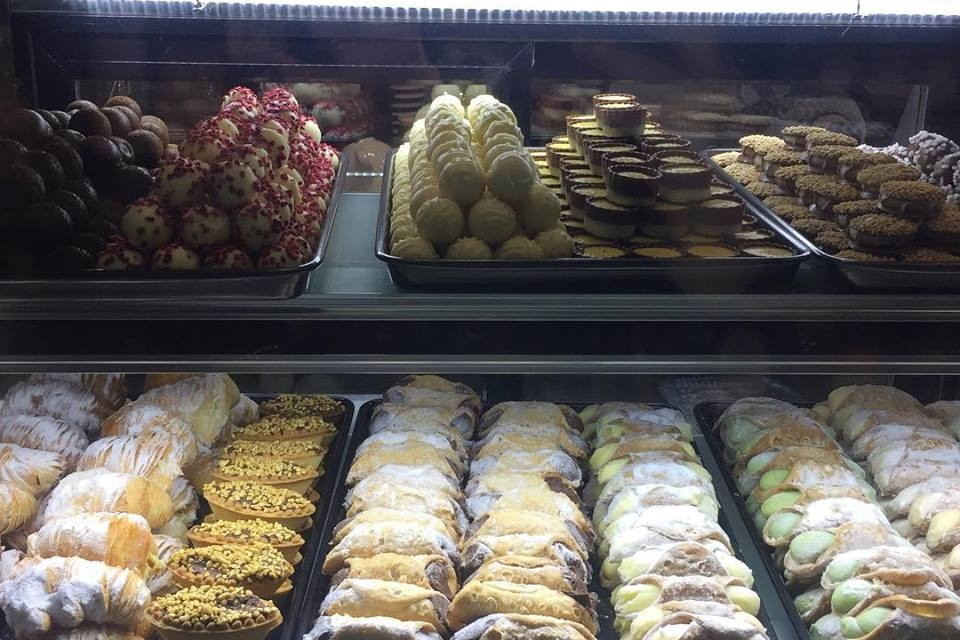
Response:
column 307, row 453
column 300, row 406
column 763, row 189
column 726, row 158
column 879, row 232
column 796, row 135
column 872, row 178
column 822, row 192
column 270, row 471
column 241, row 500
column 832, row 240
column 311, row 428
column 786, row 178
column 257, row 566
column 196, row 611
column 943, row 229
column 911, row 199
column 779, row 159
column 246, row 532
column 844, row 212
column 862, row 256
column 812, row 227
column 754, row 147
column 743, row 172
column 829, row 138
column 855, row 160
column 825, row 158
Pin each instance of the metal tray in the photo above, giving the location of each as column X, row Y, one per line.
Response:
column 770, row 613
column 275, row 284
column 706, row 415
column 312, row 546
column 864, row 275
column 702, row 275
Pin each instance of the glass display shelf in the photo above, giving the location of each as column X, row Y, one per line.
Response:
column 352, row 284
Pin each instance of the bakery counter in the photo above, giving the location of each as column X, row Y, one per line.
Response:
column 353, row 285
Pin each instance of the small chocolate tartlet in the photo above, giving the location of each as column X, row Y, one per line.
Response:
column 677, row 157
column 767, row 251
column 796, row 135
column 657, row 252
column 631, row 158
column 588, row 137
column 855, row 160
column 820, row 192
column 655, row 145
column 786, row 178
column 556, row 151
column 754, row 147
column 603, row 252
column 844, row 212
column 611, row 98
column 712, row 251
column 779, row 159
column 621, row 118
column 829, row 138
column 754, row 235
column 911, row 199
column 872, row 178
column 576, row 128
column 718, row 216
column 665, row 220
column 855, row 255
column 881, row 233
column 633, row 186
column 572, row 172
column 580, row 194
column 610, row 220
column 825, row 158
column 684, row 183
column 720, row 189
column 601, row 150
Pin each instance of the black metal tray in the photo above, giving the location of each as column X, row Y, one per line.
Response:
column 864, row 275
column 770, row 613
column 703, row 275
column 310, row 550
column 276, row 284
column 706, row 415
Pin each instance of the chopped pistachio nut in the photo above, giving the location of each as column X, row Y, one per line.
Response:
column 246, row 531
column 212, row 608
column 300, row 406
column 258, row 498
column 277, row 426
column 232, row 564
column 274, row 448
column 253, row 468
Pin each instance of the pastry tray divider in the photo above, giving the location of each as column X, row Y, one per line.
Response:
column 863, row 275
column 254, row 284
column 771, row 614
column 774, row 591
column 700, row 275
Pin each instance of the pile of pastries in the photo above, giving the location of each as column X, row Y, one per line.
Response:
column 858, row 500
column 66, row 176
column 447, row 537
column 248, row 188
column 102, row 505
column 464, row 188
column 629, row 189
column 671, row 567
column 852, row 202
column 935, row 156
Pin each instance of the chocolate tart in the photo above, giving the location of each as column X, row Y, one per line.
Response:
column 302, row 452
column 717, row 216
column 665, row 220
column 642, row 241
column 602, row 99
column 654, row 146
column 881, row 232
column 257, row 567
column 603, row 252
column 712, row 251
column 795, row 136
column 657, row 253
column 287, row 541
column 556, row 151
column 767, row 251
column 911, row 199
column 599, row 150
column 579, row 195
column 229, row 613
column 246, row 500
column 574, row 227
column 872, row 178
column 754, row 235
column 749, row 221
column 825, row 158
column 632, row 186
column 685, row 183
column 587, row 240
column 570, row 175
column 575, row 129
column 855, row 160
column 274, row 472
column 619, row 119
column 610, row 220
column 677, row 157
column 631, row 158
column 312, row 428
column 588, row 137
column 720, row 189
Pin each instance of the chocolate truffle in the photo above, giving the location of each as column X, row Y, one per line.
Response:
column 277, row 257
column 19, row 186
column 555, row 243
column 50, row 118
column 73, row 205
column 91, row 123
column 71, row 136
column 47, row 166
column 130, row 182
column 124, row 101
column 147, row 148
column 510, row 178
column 257, row 226
column 119, row 123
column 89, row 242
column 66, row 155
column 63, row 117
column 100, row 156
column 11, row 151
column 104, row 228
column 82, row 105
column 232, row 184
column 69, row 260
column 132, row 117
column 126, row 151
column 156, row 126
column 85, row 190
column 46, row 223
column 414, row 249
column 25, row 125
column 541, row 210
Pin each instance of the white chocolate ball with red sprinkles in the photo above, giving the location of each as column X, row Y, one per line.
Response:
column 276, row 146
column 203, row 226
column 232, row 184
column 181, row 182
column 175, row 257
column 228, row 257
column 278, row 198
column 118, row 256
column 146, row 225
column 203, row 143
column 253, row 156
column 309, row 230
column 228, row 129
column 279, row 128
column 298, row 247
column 240, row 95
column 331, row 155
column 257, row 225
column 277, row 257
column 290, row 180
column 312, row 129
